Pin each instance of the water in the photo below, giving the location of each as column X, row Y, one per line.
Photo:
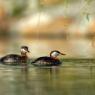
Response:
column 72, row 78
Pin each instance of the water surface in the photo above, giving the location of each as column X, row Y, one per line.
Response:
column 71, row 78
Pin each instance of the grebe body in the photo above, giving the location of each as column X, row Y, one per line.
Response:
column 14, row 59
column 48, row 61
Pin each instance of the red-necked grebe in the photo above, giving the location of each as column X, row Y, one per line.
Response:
column 14, row 59
column 48, row 61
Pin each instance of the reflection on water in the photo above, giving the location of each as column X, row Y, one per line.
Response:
column 74, row 47
column 70, row 80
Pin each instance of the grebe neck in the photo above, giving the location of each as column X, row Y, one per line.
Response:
column 55, row 58
column 24, row 57
column 23, row 54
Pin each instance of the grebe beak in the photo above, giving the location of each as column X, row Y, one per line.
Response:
column 62, row 53
column 28, row 51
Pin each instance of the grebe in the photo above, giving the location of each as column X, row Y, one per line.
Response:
column 48, row 61
column 14, row 59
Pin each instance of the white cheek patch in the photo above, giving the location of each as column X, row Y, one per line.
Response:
column 23, row 50
column 54, row 54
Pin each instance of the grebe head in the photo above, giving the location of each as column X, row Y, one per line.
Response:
column 24, row 49
column 55, row 53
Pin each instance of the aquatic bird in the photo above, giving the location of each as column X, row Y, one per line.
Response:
column 14, row 59
column 51, row 60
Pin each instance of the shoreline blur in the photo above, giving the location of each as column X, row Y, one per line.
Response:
column 46, row 25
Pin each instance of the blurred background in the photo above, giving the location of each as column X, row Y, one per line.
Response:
column 45, row 25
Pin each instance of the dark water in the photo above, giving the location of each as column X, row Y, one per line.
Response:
column 74, row 77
